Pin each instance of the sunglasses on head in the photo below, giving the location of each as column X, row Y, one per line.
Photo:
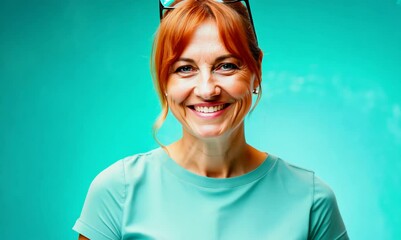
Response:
column 165, row 5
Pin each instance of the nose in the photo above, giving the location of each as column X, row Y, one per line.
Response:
column 206, row 87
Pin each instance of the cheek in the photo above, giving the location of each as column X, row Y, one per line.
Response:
column 239, row 91
column 239, row 88
column 178, row 91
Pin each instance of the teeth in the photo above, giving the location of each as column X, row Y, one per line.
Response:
column 209, row 109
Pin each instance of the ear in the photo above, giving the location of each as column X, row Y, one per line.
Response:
column 256, row 82
column 260, row 57
column 258, row 79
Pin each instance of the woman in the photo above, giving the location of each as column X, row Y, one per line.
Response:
column 210, row 184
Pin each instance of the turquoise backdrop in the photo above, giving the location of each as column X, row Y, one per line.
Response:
column 76, row 95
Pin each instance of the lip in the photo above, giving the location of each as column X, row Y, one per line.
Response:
column 209, row 115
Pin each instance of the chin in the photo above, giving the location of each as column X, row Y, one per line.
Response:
column 208, row 135
column 208, row 132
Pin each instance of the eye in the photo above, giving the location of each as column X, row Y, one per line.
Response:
column 227, row 67
column 186, row 69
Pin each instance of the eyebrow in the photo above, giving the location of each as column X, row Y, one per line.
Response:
column 185, row 60
column 221, row 58
column 218, row 59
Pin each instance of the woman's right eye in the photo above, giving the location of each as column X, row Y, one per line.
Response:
column 184, row 69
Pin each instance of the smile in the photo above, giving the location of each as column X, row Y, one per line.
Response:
column 209, row 109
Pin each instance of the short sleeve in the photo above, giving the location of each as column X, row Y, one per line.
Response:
column 102, row 211
column 325, row 218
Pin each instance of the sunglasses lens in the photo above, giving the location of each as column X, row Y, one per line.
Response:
column 169, row 3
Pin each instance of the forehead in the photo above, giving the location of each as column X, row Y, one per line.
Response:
column 207, row 29
column 205, row 41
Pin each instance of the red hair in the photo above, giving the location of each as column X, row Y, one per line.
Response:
column 175, row 32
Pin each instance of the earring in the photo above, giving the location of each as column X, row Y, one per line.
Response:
column 255, row 91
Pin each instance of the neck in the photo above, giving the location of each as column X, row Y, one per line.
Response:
column 220, row 157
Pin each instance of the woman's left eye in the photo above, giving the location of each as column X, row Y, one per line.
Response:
column 227, row 67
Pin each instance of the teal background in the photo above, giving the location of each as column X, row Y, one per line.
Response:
column 76, row 95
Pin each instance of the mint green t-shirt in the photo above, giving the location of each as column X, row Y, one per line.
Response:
column 150, row 196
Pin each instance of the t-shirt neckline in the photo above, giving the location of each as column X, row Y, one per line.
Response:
column 210, row 182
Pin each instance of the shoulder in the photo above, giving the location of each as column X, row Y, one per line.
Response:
column 294, row 170
column 295, row 178
column 113, row 179
column 320, row 191
column 103, row 209
column 109, row 177
column 143, row 160
column 325, row 218
column 117, row 173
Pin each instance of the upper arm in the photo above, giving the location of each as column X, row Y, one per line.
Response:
column 325, row 218
column 101, row 214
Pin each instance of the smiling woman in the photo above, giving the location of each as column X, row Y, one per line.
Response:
column 207, row 68
column 209, row 89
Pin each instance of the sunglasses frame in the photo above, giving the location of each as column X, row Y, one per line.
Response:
column 162, row 8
